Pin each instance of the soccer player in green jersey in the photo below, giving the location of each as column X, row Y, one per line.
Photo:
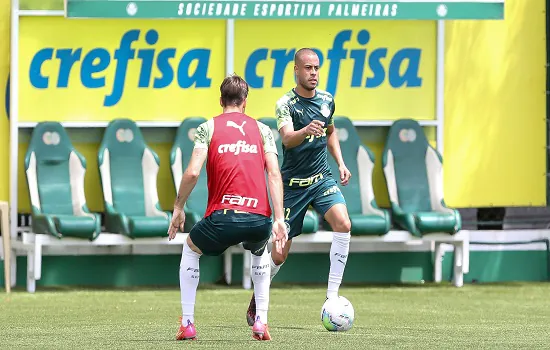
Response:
column 306, row 125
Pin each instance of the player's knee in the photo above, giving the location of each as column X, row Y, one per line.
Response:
column 342, row 225
column 279, row 259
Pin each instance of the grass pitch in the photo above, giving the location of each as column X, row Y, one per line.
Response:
column 501, row 316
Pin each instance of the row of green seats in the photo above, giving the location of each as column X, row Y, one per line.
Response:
column 413, row 171
column 128, row 169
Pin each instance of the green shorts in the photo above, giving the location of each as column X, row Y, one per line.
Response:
column 225, row 228
column 321, row 195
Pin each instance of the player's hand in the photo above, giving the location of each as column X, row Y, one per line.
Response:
column 280, row 235
column 345, row 175
column 315, row 128
column 178, row 221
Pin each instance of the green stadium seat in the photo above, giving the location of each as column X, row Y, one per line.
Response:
column 180, row 156
column 414, row 176
column 128, row 169
column 311, row 220
column 365, row 215
column 55, row 173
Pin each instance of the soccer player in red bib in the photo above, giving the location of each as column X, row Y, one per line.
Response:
column 240, row 150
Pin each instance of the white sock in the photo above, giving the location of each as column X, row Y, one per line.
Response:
column 189, row 281
column 274, row 268
column 261, row 280
column 339, row 250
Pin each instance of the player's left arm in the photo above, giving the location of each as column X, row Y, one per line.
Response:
column 190, row 178
column 333, row 145
column 187, row 184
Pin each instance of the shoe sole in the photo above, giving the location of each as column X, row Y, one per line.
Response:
column 259, row 336
column 179, row 338
column 188, row 338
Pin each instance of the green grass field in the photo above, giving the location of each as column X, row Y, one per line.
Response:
column 476, row 316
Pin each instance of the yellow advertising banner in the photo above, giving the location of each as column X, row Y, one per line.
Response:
column 376, row 70
column 495, row 109
column 98, row 70
column 4, row 95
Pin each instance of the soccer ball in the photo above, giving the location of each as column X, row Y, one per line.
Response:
column 337, row 315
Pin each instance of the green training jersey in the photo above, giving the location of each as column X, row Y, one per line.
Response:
column 306, row 163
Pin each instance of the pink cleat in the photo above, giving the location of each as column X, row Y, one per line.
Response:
column 186, row 332
column 260, row 331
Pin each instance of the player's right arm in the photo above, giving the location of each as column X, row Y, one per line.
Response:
column 275, row 185
column 276, row 191
column 290, row 137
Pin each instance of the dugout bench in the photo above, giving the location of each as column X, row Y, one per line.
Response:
column 32, row 244
column 320, row 241
column 412, row 168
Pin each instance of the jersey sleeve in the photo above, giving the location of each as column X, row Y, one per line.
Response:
column 202, row 136
column 283, row 114
column 331, row 117
column 268, row 139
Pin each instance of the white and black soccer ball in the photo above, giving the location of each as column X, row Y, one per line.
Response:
column 337, row 314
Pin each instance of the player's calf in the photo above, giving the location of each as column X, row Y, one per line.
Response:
column 339, row 221
column 339, row 250
column 276, row 260
column 261, row 279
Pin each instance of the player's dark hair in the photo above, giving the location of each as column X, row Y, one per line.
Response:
column 234, row 90
column 298, row 55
